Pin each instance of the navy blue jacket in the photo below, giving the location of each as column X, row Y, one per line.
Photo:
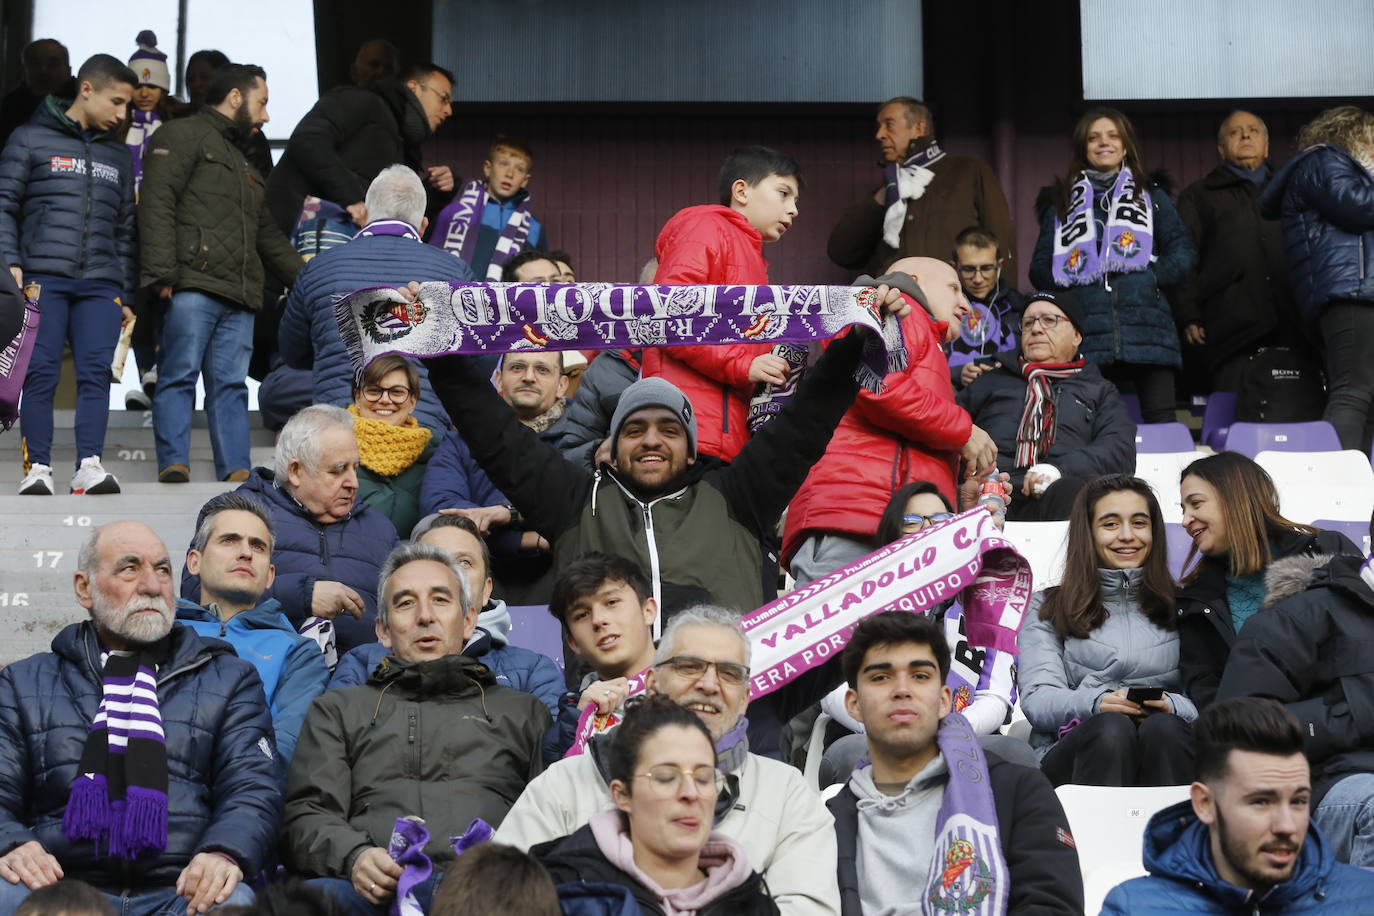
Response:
column 67, row 201
column 1183, row 878
column 1325, row 200
column 223, row 789
column 1126, row 316
column 309, row 336
column 351, row 551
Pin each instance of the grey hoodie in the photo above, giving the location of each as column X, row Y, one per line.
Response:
column 896, row 837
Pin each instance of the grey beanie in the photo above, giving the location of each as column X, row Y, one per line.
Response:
column 655, row 392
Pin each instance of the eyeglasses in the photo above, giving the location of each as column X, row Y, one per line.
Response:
column 665, row 780
column 693, row 668
column 396, row 393
column 1048, row 322
column 917, row 522
column 968, row 271
column 445, row 98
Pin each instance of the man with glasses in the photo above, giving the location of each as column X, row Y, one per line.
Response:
column 1056, row 421
column 990, row 325
column 702, row 663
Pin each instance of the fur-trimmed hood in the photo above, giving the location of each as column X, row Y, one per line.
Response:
column 1296, row 574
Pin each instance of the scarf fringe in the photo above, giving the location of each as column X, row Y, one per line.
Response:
column 89, row 813
column 144, row 828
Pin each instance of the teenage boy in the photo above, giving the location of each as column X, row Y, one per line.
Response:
column 914, row 830
column 67, row 234
column 491, row 222
column 723, row 244
column 989, row 327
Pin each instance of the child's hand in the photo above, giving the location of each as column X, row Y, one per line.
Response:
column 769, row 369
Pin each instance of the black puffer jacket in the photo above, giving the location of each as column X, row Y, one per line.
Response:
column 67, row 200
column 224, row 792
column 1205, row 630
column 1310, row 649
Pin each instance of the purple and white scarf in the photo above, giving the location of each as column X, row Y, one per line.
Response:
column 904, row 181
column 141, row 129
column 456, row 228
column 512, row 317
column 1079, row 255
column 407, row 849
column 119, row 797
column 396, row 227
column 16, row 354
column 770, row 399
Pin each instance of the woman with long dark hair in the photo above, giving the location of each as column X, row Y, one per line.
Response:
column 1099, row 653
column 1231, row 511
column 1106, row 231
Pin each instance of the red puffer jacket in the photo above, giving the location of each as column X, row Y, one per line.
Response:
column 912, row 431
column 711, row 244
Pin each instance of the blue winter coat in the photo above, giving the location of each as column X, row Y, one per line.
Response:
column 292, row 668
column 1183, row 879
column 309, row 336
column 223, row 789
column 1325, row 200
column 351, row 551
column 67, row 200
column 1126, row 316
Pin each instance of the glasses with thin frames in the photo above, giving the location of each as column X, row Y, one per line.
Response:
column 968, row 271
column 1048, row 322
column 917, row 522
column 396, row 394
column 444, row 97
column 665, row 780
column 693, row 668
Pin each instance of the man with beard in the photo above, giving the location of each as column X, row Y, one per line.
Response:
column 205, row 236
column 1243, row 842
column 135, row 756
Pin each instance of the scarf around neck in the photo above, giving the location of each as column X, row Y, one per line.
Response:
column 141, row 129
column 458, row 224
column 904, row 181
column 388, row 450
column 119, row 797
column 396, row 227
column 1079, row 255
column 546, row 419
column 1035, row 434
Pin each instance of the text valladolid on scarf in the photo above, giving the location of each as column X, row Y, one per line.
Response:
column 385, row 449
column 513, row 317
column 1080, row 257
column 906, row 180
column 1035, row 434
column 457, row 226
column 807, row 627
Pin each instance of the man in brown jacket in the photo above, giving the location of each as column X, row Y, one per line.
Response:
column 927, row 197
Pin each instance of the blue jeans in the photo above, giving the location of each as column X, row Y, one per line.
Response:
column 84, row 312
column 1346, row 816
column 204, row 336
column 161, row 901
column 352, row 903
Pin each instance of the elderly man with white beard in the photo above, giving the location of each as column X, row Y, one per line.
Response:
column 135, row 756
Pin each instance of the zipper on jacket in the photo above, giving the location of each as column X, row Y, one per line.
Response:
column 324, row 550
column 90, row 177
column 653, row 565
column 1360, row 239
column 724, row 412
column 414, row 728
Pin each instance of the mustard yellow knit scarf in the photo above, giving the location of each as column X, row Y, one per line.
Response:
column 385, row 449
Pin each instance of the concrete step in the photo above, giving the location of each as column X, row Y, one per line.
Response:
column 143, row 419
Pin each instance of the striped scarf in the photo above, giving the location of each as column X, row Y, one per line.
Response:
column 1035, row 435
column 119, row 797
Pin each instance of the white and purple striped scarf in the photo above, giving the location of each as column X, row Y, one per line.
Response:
column 119, row 797
column 1080, row 257
column 456, row 228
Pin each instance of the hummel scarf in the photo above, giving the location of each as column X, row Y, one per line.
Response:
column 407, row 849
column 458, row 224
column 1035, row 434
column 1079, row 258
column 511, row 317
column 119, row 797
column 904, row 181
column 807, row 627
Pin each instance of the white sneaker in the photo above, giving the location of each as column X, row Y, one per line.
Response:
column 150, row 381
column 91, row 478
column 38, row 482
column 137, row 399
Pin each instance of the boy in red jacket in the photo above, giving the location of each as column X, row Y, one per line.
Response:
column 723, row 244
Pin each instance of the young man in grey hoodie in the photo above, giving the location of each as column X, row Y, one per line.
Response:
column 1013, row 843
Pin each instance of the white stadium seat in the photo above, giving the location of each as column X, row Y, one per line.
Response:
column 1043, row 544
column 1329, row 485
column 1161, row 470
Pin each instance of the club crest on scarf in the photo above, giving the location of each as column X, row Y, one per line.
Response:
column 962, row 698
column 1075, row 262
column 1125, row 244
column 965, row 882
column 386, row 321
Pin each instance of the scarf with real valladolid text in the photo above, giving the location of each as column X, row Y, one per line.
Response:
column 457, row 226
column 1127, row 245
column 119, row 797
column 904, row 181
column 488, row 318
column 1035, row 434
column 968, row 873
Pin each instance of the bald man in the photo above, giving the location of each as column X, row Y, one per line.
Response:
column 912, row 431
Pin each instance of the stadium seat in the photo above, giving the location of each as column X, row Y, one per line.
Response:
column 1108, row 825
column 1217, row 418
column 1179, row 545
column 1356, row 531
column 534, row 628
column 1312, row 485
column 1161, row 470
column 1252, row 438
column 1043, row 545
column 1162, row 437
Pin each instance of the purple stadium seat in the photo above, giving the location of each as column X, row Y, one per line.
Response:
column 1252, row 438
column 1217, row 417
column 1153, row 438
column 1179, row 545
column 1358, row 532
column 1132, row 403
column 533, row 627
